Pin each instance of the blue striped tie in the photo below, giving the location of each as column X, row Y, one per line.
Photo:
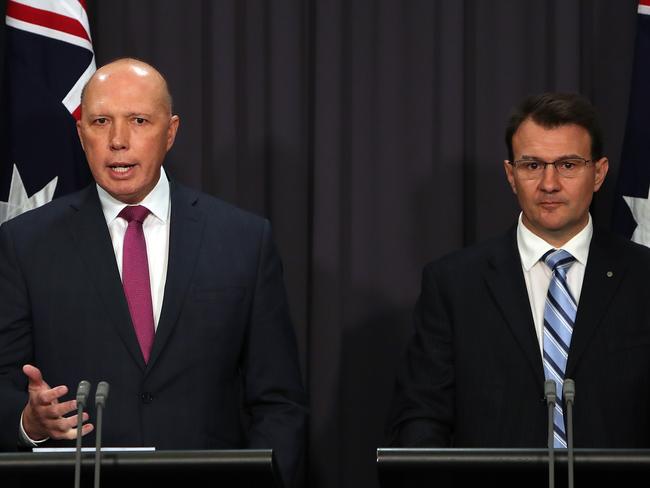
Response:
column 559, row 316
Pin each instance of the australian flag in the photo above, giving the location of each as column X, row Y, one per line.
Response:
column 632, row 206
column 49, row 57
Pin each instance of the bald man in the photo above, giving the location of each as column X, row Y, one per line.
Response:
column 173, row 297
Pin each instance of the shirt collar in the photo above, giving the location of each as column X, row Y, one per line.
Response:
column 532, row 247
column 157, row 201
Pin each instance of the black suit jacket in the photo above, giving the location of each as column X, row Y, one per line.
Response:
column 223, row 371
column 473, row 374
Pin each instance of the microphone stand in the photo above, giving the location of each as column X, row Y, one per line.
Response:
column 569, row 394
column 100, row 402
column 550, row 394
column 82, row 395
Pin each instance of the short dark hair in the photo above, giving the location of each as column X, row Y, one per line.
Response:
column 551, row 110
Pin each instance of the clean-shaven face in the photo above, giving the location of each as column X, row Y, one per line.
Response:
column 126, row 128
column 554, row 207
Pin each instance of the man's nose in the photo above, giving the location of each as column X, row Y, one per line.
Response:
column 119, row 136
column 550, row 180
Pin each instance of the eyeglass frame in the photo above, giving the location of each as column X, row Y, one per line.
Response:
column 553, row 163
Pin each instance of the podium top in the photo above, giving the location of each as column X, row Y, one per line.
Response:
column 162, row 469
column 220, row 460
column 508, row 468
column 483, row 458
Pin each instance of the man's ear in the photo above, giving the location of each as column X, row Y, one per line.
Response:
column 602, row 166
column 174, row 121
column 81, row 140
column 510, row 175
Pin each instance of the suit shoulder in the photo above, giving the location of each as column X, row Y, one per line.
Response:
column 623, row 246
column 49, row 213
column 469, row 258
column 216, row 209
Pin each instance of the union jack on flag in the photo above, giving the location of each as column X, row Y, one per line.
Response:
column 49, row 58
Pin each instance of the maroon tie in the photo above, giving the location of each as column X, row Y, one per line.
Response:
column 135, row 277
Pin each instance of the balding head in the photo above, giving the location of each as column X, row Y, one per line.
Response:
column 126, row 127
column 137, row 68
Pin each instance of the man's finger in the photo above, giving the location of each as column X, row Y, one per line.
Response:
column 53, row 411
column 64, row 408
column 71, row 434
column 86, row 429
column 48, row 396
column 71, row 422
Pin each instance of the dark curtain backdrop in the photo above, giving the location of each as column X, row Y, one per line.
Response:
column 370, row 132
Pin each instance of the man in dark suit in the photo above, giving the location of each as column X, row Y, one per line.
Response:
column 484, row 340
column 199, row 350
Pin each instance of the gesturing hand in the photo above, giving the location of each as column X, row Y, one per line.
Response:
column 44, row 416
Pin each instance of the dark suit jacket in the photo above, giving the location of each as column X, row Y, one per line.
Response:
column 473, row 374
column 223, row 371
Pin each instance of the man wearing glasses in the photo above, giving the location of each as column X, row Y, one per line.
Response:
column 554, row 298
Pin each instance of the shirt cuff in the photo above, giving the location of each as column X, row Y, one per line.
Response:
column 24, row 439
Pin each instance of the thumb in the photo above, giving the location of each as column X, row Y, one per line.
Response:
column 34, row 376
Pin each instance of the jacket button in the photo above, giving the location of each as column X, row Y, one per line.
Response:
column 146, row 397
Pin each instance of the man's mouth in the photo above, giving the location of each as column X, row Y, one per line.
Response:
column 120, row 167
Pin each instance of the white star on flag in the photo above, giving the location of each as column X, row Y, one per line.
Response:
column 19, row 202
column 640, row 208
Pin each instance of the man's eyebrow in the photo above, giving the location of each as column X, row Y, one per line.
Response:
column 564, row 156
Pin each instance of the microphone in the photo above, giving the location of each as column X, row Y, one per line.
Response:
column 569, row 395
column 100, row 402
column 550, row 394
column 82, row 396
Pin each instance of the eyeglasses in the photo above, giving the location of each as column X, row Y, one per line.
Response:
column 533, row 169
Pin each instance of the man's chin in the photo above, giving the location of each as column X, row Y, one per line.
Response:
column 124, row 195
column 547, row 229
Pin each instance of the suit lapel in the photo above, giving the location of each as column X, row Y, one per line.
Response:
column 505, row 279
column 186, row 230
column 603, row 275
column 93, row 244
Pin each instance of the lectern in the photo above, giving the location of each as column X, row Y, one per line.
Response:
column 155, row 469
column 522, row 468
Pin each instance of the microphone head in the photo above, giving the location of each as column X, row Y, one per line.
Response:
column 101, row 394
column 82, row 393
column 569, row 390
column 550, row 391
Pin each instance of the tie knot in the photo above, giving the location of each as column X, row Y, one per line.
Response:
column 134, row 212
column 558, row 258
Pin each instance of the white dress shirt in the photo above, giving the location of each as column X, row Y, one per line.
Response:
column 538, row 275
column 156, row 235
